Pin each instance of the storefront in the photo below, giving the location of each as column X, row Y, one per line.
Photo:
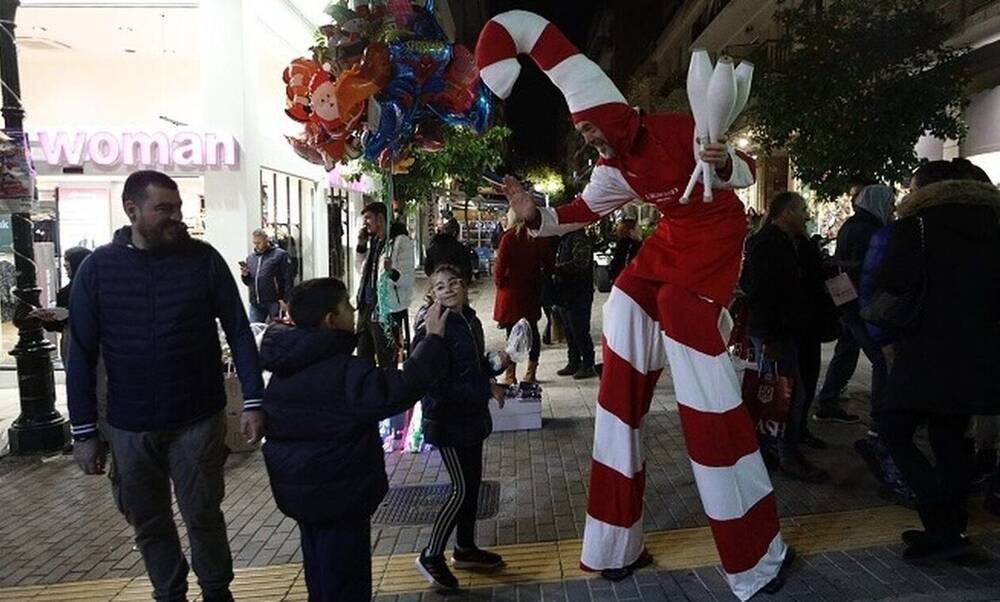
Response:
column 192, row 89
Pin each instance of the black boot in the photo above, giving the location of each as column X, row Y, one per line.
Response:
column 569, row 370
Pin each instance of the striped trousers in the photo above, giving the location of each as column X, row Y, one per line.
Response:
column 647, row 323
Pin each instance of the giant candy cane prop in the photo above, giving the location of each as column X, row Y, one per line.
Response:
column 717, row 97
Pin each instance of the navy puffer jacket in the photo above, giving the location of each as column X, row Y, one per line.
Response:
column 152, row 314
column 456, row 409
column 323, row 452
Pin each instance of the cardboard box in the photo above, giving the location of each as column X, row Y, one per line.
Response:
column 522, row 411
column 235, row 440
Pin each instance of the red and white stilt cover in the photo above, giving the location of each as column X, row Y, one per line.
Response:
column 666, row 306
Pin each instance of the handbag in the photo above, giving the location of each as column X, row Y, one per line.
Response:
column 898, row 312
column 768, row 396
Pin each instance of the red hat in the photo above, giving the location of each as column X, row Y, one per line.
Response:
column 589, row 92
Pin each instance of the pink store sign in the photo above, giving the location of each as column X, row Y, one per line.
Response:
column 136, row 149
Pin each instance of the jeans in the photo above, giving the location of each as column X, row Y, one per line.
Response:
column 337, row 560
column 575, row 312
column 374, row 343
column 941, row 490
column 465, row 468
column 798, row 406
column 260, row 312
column 192, row 458
column 854, row 338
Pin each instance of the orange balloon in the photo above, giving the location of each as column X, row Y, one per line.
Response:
column 352, row 89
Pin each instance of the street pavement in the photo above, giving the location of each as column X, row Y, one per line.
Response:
column 59, row 526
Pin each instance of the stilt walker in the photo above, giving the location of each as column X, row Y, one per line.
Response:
column 667, row 305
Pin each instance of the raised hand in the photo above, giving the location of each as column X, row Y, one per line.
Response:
column 520, row 199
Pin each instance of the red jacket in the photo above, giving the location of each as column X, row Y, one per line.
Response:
column 696, row 246
column 517, row 273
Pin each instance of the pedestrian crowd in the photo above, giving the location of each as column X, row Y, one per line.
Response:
column 917, row 283
column 913, row 284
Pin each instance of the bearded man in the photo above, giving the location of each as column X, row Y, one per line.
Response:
column 668, row 304
column 149, row 302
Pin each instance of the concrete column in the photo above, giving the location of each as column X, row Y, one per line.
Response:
column 228, row 85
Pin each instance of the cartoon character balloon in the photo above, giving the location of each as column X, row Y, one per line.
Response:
column 360, row 95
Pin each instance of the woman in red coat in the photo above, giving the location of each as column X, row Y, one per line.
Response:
column 518, row 296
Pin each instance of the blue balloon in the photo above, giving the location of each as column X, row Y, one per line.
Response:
column 387, row 131
column 477, row 117
column 418, row 68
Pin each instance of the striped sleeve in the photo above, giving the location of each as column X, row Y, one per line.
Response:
column 606, row 191
column 743, row 174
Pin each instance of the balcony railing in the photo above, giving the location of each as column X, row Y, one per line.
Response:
column 711, row 12
column 769, row 55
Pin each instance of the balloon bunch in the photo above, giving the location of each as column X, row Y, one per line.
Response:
column 386, row 80
column 717, row 97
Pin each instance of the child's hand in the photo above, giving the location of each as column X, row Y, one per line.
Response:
column 252, row 425
column 436, row 318
column 499, row 393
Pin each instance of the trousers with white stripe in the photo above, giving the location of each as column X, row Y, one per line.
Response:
column 647, row 323
column 465, row 468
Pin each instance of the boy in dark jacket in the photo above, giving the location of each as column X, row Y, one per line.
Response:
column 457, row 421
column 323, row 452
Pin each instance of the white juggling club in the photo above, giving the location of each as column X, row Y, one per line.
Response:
column 698, row 77
column 721, row 100
column 715, row 106
column 744, row 77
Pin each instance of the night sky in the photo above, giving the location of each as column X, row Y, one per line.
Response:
column 535, row 110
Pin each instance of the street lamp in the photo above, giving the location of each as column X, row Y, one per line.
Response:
column 39, row 427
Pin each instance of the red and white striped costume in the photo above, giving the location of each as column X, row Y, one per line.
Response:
column 665, row 306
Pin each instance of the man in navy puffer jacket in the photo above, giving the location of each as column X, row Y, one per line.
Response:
column 323, row 452
column 149, row 302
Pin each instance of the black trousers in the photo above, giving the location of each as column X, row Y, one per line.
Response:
column 337, row 560
column 941, row 489
column 810, row 351
column 465, row 468
column 536, row 342
column 575, row 312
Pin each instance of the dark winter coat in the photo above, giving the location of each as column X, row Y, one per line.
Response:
column 948, row 363
column 574, row 266
column 456, row 409
column 521, row 263
column 323, row 452
column 152, row 314
column 852, row 244
column 271, row 276
column 784, row 284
